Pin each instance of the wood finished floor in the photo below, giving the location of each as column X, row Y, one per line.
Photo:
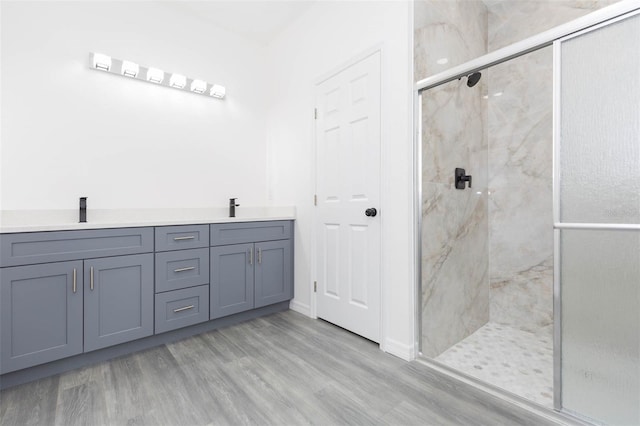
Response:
column 283, row 369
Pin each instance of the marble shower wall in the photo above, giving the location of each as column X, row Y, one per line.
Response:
column 520, row 188
column 447, row 33
column 455, row 286
column 487, row 256
column 514, row 20
column 520, row 130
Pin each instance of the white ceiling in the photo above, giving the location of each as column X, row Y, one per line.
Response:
column 256, row 20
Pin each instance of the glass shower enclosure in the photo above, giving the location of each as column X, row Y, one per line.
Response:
column 530, row 256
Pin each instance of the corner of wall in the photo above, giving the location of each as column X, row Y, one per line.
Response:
column 401, row 350
column 301, row 308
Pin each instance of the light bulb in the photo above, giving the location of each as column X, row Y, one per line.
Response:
column 155, row 75
column 198, row 86
column 178, row 81
column 218, row 91
column 101, row 62
column 130, row 69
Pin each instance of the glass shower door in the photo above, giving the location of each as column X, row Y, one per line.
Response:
column 597, row 222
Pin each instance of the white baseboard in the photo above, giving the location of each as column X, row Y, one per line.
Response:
column 401, row 350
column 299, row 307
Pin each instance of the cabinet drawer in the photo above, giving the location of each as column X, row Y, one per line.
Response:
column 44, row 247
column 181, row 269
column 182, row 237
column 248, row 232
column 180, row 308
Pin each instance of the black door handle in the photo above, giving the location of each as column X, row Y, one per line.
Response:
column 371, row 212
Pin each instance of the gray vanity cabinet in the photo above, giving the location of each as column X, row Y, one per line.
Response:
column 54, row 310
column 118, row 300
column 67, row 292
column 40, row 314
column 251, row 266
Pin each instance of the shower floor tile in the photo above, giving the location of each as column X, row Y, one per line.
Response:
column 518, row 361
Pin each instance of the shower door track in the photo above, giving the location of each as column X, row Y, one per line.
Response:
column 539, row 41
column 540, row 410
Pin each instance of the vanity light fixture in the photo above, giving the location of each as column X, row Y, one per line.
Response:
column 155, row 75
column 199, row 86
column 102, row 62
column 130, row 69
column 218, row 91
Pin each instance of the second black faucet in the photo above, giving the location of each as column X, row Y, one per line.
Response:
column 83, row 209
column 232, row 207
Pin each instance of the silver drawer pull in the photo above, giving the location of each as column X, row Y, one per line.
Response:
column 75, row 280
column 189, row 268
column 190, row 237
column 186, row 308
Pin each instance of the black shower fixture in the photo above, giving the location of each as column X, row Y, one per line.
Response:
column 473, row 78
column 460, row 177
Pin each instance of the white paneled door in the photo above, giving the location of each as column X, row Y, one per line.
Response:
column 348, row 198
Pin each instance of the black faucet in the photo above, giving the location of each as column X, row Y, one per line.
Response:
column 83, row 209
column 232, row 207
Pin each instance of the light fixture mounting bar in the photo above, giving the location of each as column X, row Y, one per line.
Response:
column 155, row 76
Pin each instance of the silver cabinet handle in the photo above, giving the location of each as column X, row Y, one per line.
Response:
column 183, row 309
column 188, row 268
column 190, row 237
column 259, row 255
column 250, row 256
column 75, row 280
column 91, row 277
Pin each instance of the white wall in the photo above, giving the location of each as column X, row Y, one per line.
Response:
column 326, row 37
column 68, row 131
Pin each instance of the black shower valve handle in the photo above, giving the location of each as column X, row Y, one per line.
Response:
column 460, row 177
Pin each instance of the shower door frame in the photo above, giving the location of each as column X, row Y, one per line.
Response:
column 547, row 38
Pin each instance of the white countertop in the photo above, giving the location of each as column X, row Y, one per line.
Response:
column 12, row 221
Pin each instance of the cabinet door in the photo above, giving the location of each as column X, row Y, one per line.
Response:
column 40, row 314
column 231, row 284
column 118, row 300
column 273, row 272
